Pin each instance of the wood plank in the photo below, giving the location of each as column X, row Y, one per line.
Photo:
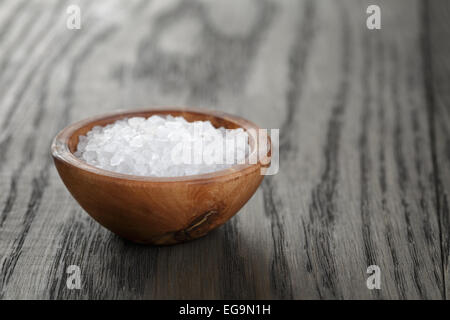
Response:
column 356, row 185
column 437, row 69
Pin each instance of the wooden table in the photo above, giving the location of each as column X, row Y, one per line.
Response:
column 364, row 123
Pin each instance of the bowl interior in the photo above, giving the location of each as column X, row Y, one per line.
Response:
column 216, row 120
column 66, row 142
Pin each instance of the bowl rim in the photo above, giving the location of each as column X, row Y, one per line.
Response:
column 60, row 146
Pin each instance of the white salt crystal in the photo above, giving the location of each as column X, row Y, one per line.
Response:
column 163, row 147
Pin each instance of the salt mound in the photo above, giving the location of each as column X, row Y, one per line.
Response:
column 162, row 147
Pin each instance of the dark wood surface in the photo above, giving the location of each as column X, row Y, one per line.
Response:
column 364, row 145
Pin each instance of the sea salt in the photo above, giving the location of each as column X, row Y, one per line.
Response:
column 163, row 147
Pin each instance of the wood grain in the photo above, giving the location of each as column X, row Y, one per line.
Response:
column 437, row 71
column 363, row 118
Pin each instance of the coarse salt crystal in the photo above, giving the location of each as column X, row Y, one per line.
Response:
column 163, row 147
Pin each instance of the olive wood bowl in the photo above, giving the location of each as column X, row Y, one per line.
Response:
column 157, row 210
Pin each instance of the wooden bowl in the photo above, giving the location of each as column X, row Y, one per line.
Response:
column 154, row 210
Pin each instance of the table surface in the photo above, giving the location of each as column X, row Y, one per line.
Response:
column 364, row 145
